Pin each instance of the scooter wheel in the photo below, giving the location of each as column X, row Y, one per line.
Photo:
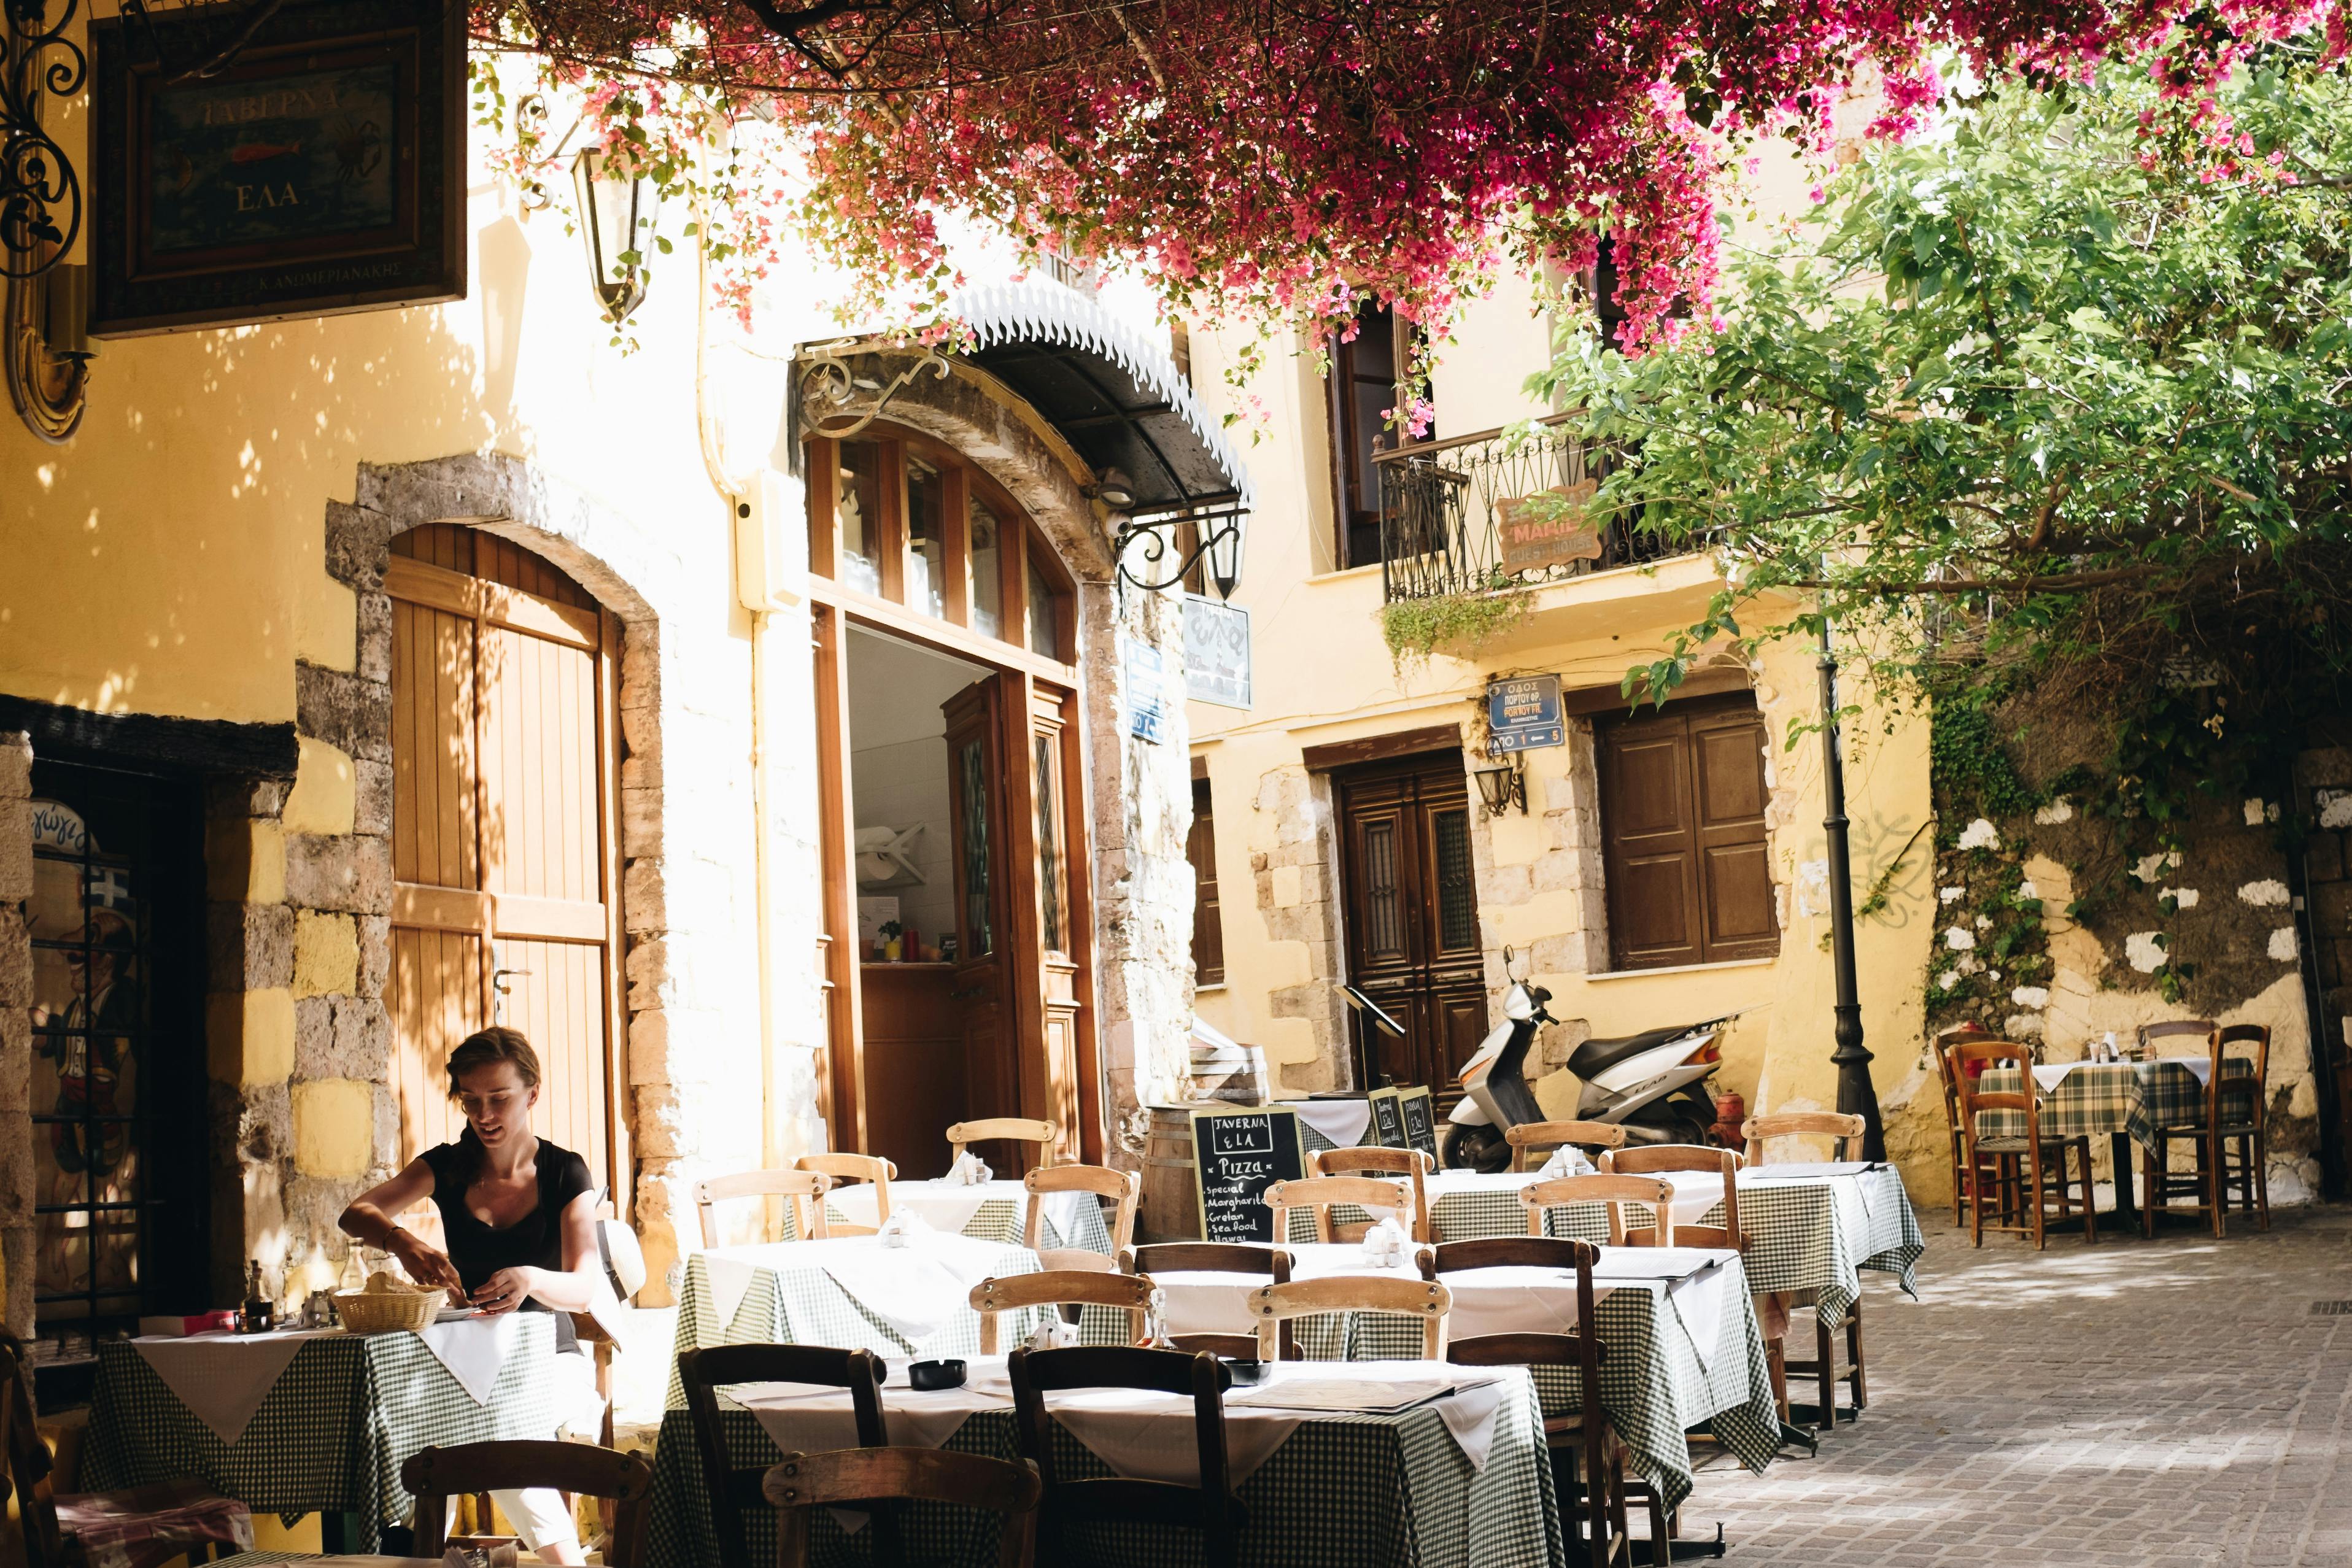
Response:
column 1468, row 1148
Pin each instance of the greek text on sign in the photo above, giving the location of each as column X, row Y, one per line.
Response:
column 1523, row 713
column 1550, row 527
column 1216, row 652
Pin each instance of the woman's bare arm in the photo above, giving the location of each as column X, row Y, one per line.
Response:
column 369, row 1219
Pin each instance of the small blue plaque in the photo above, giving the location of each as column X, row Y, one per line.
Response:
column 1523, row 713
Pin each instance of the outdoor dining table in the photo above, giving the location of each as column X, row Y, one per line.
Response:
column 858, row 1293
column 987, row 1211
column 2126, row 1101
column 315, row 1421
column 1685, row 1348
column 1452, row 1479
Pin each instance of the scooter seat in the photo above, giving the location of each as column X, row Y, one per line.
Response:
column 1595, row 1057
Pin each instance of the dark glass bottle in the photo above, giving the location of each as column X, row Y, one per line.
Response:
column 258, row 1313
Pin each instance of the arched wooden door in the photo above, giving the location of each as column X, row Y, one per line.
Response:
column 505, row 884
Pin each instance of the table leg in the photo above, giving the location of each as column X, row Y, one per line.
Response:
column 339, row 1533
column 2120, row 1150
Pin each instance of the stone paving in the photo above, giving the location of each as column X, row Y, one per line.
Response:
column 2156, row 1404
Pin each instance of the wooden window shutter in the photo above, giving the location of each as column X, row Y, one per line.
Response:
column 1682, row 808
column 1208, row 915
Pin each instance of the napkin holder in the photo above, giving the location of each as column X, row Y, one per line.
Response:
column 1384, row 1245
column 1567, row 1160
column 931, row 1377
column 969, row 1170
column 901, row 1228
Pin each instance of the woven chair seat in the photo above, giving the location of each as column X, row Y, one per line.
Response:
column 144, row 1527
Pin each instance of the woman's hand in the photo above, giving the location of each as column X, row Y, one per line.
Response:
column 505, row 1290
column 426, row 1264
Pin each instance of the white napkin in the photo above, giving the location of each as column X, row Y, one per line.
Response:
column 223, row 1378
column 1341, row 1121
column 969, row 1170
column 1696, row 1192
column 1469, row 1414
column 474, row 1349
column 730, row 1271
column 1151, row 1437
column 803, row 1420
column 1700, row 1301
column 1567, row 1160
column 1209, row 1303
column 2199, row 1067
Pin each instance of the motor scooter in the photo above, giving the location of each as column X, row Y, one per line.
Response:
column 1653, row 1083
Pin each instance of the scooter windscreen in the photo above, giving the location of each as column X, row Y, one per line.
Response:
column 1595, row 1057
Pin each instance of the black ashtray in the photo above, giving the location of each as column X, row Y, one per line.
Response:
column 933, row 1376
column 1242, row 1372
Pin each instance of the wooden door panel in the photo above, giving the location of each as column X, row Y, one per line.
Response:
column 434, row 836
column 1683, row 802
column 1730, row 762
column 555, row 993
column 435, row 993
column 1650, row 906
column 915, row 1065
column 1739, row 896
column 539, row 767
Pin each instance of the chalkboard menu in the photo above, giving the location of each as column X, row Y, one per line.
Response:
column 1388, row 1119
column 1236, row 1155
column 1419, row 1112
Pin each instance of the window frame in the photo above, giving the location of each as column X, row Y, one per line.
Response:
column 1208, row 908
column 1340, row 383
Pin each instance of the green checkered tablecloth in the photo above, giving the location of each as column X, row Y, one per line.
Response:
column 791, row 1299
column 334, row 1432
column 2131, row 1097
column 1347, row 1491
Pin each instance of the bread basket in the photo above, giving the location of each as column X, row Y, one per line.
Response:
column 387, row 1306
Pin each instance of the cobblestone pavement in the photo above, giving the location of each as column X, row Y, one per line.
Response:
column 2155, row 1404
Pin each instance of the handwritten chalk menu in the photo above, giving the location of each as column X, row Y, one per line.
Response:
column 1236, row 1155
column 1388, row 1119
column 1419, row 1112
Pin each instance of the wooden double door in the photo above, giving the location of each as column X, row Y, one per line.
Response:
column 1411, row 916
column 506, row 891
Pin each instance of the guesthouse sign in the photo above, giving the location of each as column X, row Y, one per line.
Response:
column 1551, row 528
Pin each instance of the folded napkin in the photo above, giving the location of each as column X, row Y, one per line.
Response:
column 1700, row 1302
column 1151, row 1437
column 969, row 1170
column 1340, row 1120
column 729, row 1270
column 475, row 1349
column 223, row 1378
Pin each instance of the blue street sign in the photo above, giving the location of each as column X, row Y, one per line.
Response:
column 1523, row 713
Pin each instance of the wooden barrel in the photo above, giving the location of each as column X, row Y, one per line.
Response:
column 1170, row 1209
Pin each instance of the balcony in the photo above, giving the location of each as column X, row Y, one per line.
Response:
column 1499, row 509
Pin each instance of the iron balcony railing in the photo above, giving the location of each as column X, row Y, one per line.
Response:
column 1498, row 510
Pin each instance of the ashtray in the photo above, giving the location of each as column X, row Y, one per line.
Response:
column 932, row 1375
column 1242, row 1372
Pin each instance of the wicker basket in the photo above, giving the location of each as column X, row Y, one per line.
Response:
column 388, row 1311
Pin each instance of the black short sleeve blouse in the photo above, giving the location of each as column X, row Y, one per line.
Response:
column 534, row 1241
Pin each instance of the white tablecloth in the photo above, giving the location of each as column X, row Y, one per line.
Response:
column 915, row 1288
column 475, row 1349
column 950, row 1206
column 223, row 1378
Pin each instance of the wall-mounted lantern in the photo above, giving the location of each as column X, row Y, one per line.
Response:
column 1503, row 786
column 616, row 223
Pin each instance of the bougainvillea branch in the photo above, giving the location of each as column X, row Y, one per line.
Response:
column 1285, row 158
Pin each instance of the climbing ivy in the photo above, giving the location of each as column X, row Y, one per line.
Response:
column 1457, row 623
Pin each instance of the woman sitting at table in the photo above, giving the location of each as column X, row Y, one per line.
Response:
column 518, row 1214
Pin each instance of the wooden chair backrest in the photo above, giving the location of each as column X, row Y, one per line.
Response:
column 1207, row 1258
column 2238, row 1034
column 1509, row 1253
column 1210, row 1507
column 1120, row 1187
column 806, row 1189
column 1275, row 1305
column 800, row 1484
column 1758, row 1131
column 1130, row 1293
column 2170, row 1028
column 845, row 1169
column 1612, row 1190
column 731, row 1489
column 1581, row 1350
column 1995, row 1053
column 1648, row 1159
column 1529, row 1138
column 1019, row 1129
column 1412, row 1165
column 436, row 1475
column 1322, row 1194
column 27, row 1461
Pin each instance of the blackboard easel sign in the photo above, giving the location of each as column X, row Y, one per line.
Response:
column 1419, row 1112
column 1236, row 1155
column 1388, row 1118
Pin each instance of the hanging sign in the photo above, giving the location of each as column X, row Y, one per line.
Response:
column 1388, row 1120
column 1551, row 528
column 1236, row 1155
column 1147, row 691
column 1420, row 1111
column 1523, row 713
column 1216, row 652
column 320, row 171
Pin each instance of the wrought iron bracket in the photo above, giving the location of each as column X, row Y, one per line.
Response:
column 828, row 388
column 40, row 191
column 1155, row 540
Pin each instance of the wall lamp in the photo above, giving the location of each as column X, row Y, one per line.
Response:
column 1217, row 538
column 1503, row 786
column 616, row 221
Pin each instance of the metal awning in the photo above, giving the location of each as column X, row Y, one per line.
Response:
column 1116, row 396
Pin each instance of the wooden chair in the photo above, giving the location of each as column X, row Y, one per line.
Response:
column 1588, row 1457
column 1411, row 1164
column 1961, row 1179
column 1323, row 1193
column 1017, row 1129
column 1649, row 1159
column 1999, row 1162
column 846, row 1169
column 860, row 1477
column 805, row 1190
column 1844, row 1130
column 436, row 1475
column 1120, row 1187
column 1275, row 1305
column 1214, row 1258
column 2170, row 1028
column 158, row 1523
column 1130, row 1293
column 1529, row 1138
column 1822, row 1368
column 2227, row 1125
column 1612, row 1190
column 731, row 1489
column 1210, row 1508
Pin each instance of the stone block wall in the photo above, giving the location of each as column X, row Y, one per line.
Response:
column 16, row 1185
column 1295, row 884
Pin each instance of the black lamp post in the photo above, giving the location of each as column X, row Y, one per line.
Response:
column 1857, row 1094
